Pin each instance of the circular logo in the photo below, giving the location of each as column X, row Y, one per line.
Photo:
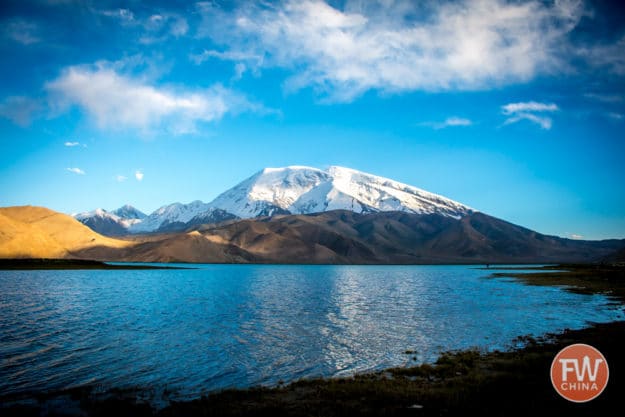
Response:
column 579, row 373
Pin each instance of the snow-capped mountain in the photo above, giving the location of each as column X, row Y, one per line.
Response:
column 273, row 191
column 302, row 190
column 178, row 216
column 111, row 223
column 128, row 212
column 171, row 218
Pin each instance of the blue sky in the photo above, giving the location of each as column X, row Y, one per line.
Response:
column 514, row 108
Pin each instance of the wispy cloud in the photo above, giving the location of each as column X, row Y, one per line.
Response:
column 576, row 236
column 76, row 171
column 160, row 27
column 449, row 122
column 531, row 110
column 74, row 144
column 343, row 52
column 23, row 32
column 139, row 175
column 616, row 116
column 608, row 56
column 119, row 101
column 605, row 98
column 225, row 56
column 155, row 27
column 243, row 61
column 125, row 16
column 120, row 178
column 19, row 109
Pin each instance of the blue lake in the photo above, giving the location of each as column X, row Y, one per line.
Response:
column 218, row 326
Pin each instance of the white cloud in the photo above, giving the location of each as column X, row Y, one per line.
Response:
column 120, row 178
column 530, row 110
column 616, row 116
column 576, row 236
column 76, row 171
column 529, row 106
column 396, row 46
column 449, row 122
column 117, row 101
column 139, row 175
column 71, row 144
column 20, row 110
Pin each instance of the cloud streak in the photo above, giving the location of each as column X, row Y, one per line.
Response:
column 532, row 111
column 118, row 101
column 341, row 53
column 449, row 122
column 139, row 175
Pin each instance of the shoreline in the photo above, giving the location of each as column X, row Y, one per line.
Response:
column 512, row 382
column 35, row 264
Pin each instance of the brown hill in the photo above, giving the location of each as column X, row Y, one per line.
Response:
column 37, row 232
column 337, row 237
column 180, row 247
column 402, row 238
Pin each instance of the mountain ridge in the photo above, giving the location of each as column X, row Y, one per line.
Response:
column 278, row 191
column 332, row 237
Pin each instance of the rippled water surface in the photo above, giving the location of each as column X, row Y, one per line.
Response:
column 193, row 331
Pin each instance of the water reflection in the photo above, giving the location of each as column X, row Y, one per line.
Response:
column 221, row 326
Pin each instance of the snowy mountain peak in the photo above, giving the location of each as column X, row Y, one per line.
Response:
column 288, row 190
column 270, row 191
column 99, row 212
column 302, row 190
column 129, row 212
column 176, row 213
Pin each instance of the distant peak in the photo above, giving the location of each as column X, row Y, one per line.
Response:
column 129, row 212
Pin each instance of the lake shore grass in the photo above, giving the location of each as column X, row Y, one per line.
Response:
column 510, row 383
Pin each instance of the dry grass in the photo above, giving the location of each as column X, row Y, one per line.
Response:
column 37, row 232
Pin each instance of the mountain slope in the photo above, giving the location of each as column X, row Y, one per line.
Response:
column 178, row 217
column 305, row 190
column 37, row 232
column 403, row 238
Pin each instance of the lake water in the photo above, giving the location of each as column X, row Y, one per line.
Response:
column 194, row 331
